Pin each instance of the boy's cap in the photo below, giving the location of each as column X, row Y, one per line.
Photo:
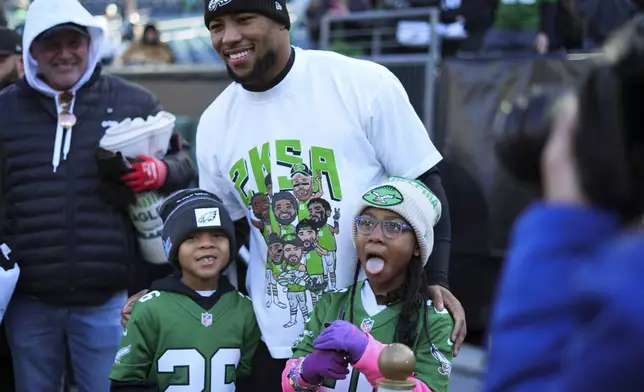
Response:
column 188, row 211
column 410, row 199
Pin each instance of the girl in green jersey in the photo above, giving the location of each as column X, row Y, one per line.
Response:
column 341, row 342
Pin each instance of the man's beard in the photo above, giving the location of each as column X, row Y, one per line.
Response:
column 277, row 260
column 10, row 78
column 257, row 74
column 308, row 246
column 283, row 221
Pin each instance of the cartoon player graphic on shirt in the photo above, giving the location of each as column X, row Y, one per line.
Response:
column 302, row 179
column 295, row 278
column 260, row 205
column 307, row 231
column 320, row 212
column 274, row 266
column 281, row 188
column 285, row 211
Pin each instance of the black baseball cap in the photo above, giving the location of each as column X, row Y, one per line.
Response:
column 64, row 26
column 10, row 42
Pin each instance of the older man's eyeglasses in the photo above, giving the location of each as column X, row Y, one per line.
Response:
column 390, row 229
column 66, row 118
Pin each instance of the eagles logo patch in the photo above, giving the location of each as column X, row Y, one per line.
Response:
column 383, row 196
column 214, row 4
column 207, row 217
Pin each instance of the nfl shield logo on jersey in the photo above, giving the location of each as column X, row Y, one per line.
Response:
column 206, row 319
column 366, row 325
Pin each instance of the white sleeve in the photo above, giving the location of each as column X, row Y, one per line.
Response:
column 211, row 178
column 397, row 134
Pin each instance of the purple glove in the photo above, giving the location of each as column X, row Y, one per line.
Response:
column 324, row 365
column 343, row 336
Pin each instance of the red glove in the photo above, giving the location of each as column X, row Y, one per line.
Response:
column 146, row 175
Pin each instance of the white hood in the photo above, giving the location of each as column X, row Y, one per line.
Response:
column 45, row 14
column 41, row 16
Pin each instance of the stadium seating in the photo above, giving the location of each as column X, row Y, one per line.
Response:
column 154, row 7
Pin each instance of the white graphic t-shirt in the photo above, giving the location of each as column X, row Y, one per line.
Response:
column 294, row 161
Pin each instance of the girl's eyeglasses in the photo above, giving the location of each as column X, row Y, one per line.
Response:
column 390, row 229
column 66, row 118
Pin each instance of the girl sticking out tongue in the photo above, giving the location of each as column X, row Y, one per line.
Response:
column 339, row 349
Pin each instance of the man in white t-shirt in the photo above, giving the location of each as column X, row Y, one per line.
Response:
column 309, row 131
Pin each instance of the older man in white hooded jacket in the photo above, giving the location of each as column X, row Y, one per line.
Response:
column 75, row 248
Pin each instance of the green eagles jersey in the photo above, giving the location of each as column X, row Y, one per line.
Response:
column 302, row 210
column 433, row 348
column 171, row 341
column 276, row 268
column 326, row 239
column 292, row 278
column 274, row 224
column 519, row 14
column 266, row 231
column 286, row 230
column 270, row 227
column 314, row 263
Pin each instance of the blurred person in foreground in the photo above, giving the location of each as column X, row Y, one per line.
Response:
column 10, row 57
column 569, row 314
column 75, row 248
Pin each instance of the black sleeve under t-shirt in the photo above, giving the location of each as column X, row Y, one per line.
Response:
column 437, row 268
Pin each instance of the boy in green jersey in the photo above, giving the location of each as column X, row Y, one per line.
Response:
column 342, row 339
column 193, row 330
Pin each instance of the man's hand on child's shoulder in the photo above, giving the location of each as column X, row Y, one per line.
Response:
column 127, row 308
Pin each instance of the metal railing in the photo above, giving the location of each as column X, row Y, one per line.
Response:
column 379, row 27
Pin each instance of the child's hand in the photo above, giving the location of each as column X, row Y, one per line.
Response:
column 343, row 336
column 324, row 365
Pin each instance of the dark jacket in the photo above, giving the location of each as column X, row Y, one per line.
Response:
column 73, row 248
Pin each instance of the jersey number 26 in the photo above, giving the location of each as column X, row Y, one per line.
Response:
column 192, row 359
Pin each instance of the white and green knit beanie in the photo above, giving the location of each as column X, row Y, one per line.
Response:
column 410, row 199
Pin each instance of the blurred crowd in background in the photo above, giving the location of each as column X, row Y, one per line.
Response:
column 172, row 31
